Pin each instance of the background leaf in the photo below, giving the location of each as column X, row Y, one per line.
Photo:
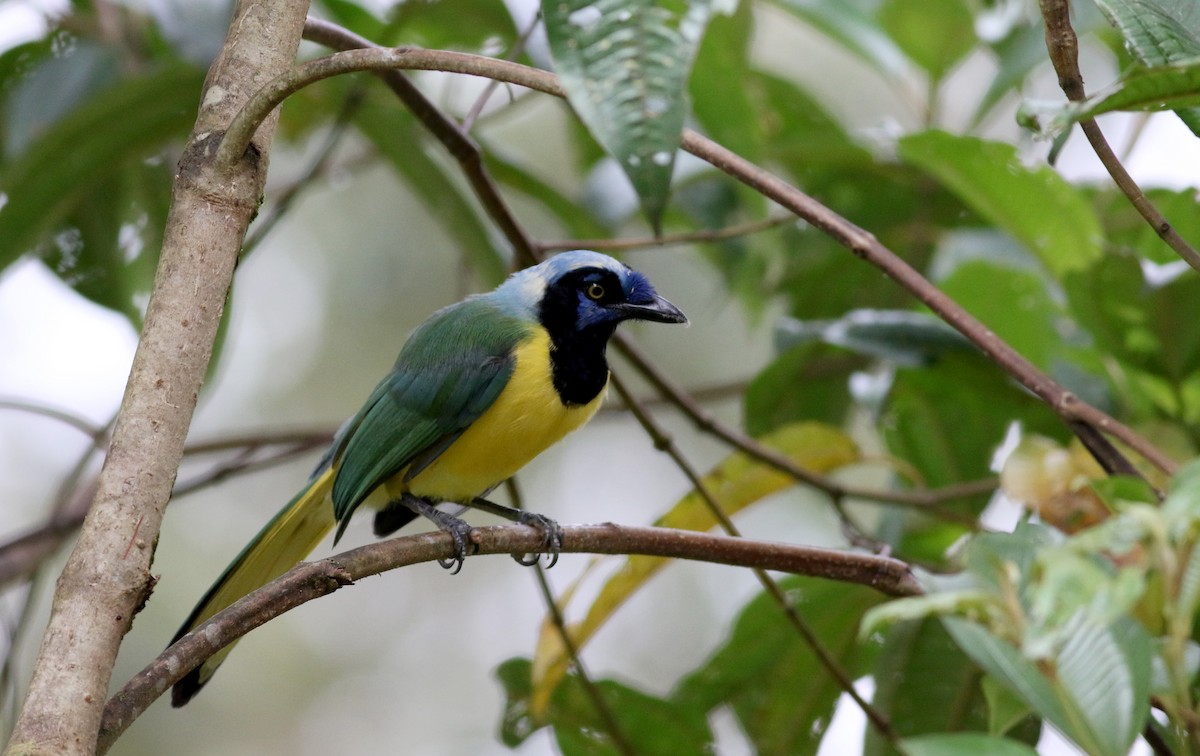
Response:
column 625, row 65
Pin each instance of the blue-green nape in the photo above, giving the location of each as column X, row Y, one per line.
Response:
column 478, row 390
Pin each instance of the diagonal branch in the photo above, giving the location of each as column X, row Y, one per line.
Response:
column 1063, row 47
column 311, row 580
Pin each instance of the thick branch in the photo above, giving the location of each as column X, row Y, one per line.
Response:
column 107, row 576
column 311, row 580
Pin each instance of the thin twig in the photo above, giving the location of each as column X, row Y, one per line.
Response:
column 33, row 407
column 1063, row 47
column 691, row 237
column 517, row 48
column 611, row 725
column 666, row 444
column 924, row 499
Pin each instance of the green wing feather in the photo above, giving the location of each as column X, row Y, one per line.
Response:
column 448, row 374
column 450, row 371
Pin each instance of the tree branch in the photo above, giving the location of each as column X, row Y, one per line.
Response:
column 311, row 580
column 859, row 241
column 1063, row 46
column 107, row 576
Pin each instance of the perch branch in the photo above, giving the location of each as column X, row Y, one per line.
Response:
column 311, row 580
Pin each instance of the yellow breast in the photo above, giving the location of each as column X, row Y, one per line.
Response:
column 526, row 419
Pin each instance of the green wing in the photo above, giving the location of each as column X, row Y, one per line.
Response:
column 450, row 371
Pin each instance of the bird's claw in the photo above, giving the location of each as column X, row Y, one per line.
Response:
column 551, row 542
column 460, row 533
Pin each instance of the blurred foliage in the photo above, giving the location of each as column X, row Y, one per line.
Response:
column 1076, row 620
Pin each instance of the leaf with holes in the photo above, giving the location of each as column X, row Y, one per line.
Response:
column 624, row 65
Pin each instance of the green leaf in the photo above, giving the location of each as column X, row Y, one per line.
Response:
column 722, row 93
column 355, row 17
column 1105, row 671
column 444, row 25
column 1035, row 205
column 808, row 382
column 579, row 224
column 947, row 419
column 757, row 670
column 958, row 743
column 1006, row 664
column 1150, row 328
column 901, row 336
column 128, row 122
column 850, row 24
column 924, row 684
column 1013, row 303
column 1170, row 87
column 625, row 66
column 1005, row 709
column 1158, row 32
column 649, row 725
column 397, row 137
column 935, row 34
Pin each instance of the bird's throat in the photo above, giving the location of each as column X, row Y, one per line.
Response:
column 578, row 365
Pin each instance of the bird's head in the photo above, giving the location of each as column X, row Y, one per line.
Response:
column 585, row 291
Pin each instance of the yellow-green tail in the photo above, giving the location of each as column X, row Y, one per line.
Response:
column 284, row 542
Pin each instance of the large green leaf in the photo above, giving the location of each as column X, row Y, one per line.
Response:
column 624, row 65
column 924, row 684
column 1169, row 87
column 903, row 337
column 127, row 122
column 1099, row 692
column 948, row 418
column 1158, row 32
column 807, row 382
column 1014, row 303
column 1035, row 205
column 782, row 695
column 935, row 34
column 723, row 100
column 511, row 174
column 1150, row 328
column 955, row 744
column 648, row 725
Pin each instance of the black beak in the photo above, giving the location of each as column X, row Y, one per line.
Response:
column 658, row 311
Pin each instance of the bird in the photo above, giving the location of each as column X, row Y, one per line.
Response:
column 479, row 389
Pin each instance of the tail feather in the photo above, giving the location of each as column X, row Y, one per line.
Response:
column 284, row 542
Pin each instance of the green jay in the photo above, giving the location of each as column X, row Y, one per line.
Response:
column 479, row 389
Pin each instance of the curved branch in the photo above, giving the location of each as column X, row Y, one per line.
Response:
column 859, row 241
column 311, row 580
column 1063, row 46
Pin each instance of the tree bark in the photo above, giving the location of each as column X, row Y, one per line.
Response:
column 107, row 577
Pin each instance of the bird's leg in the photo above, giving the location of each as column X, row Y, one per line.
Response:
column 551, row 530
column 458, row 530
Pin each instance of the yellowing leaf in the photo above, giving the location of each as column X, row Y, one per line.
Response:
column 737, row 482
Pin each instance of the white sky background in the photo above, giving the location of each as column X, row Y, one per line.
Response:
column 318, row 314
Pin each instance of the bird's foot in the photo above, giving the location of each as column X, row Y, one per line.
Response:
column 551, row 530
column 551, row 539
column 460, row 531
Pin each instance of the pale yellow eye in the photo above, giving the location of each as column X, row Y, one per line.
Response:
column 595, row 291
